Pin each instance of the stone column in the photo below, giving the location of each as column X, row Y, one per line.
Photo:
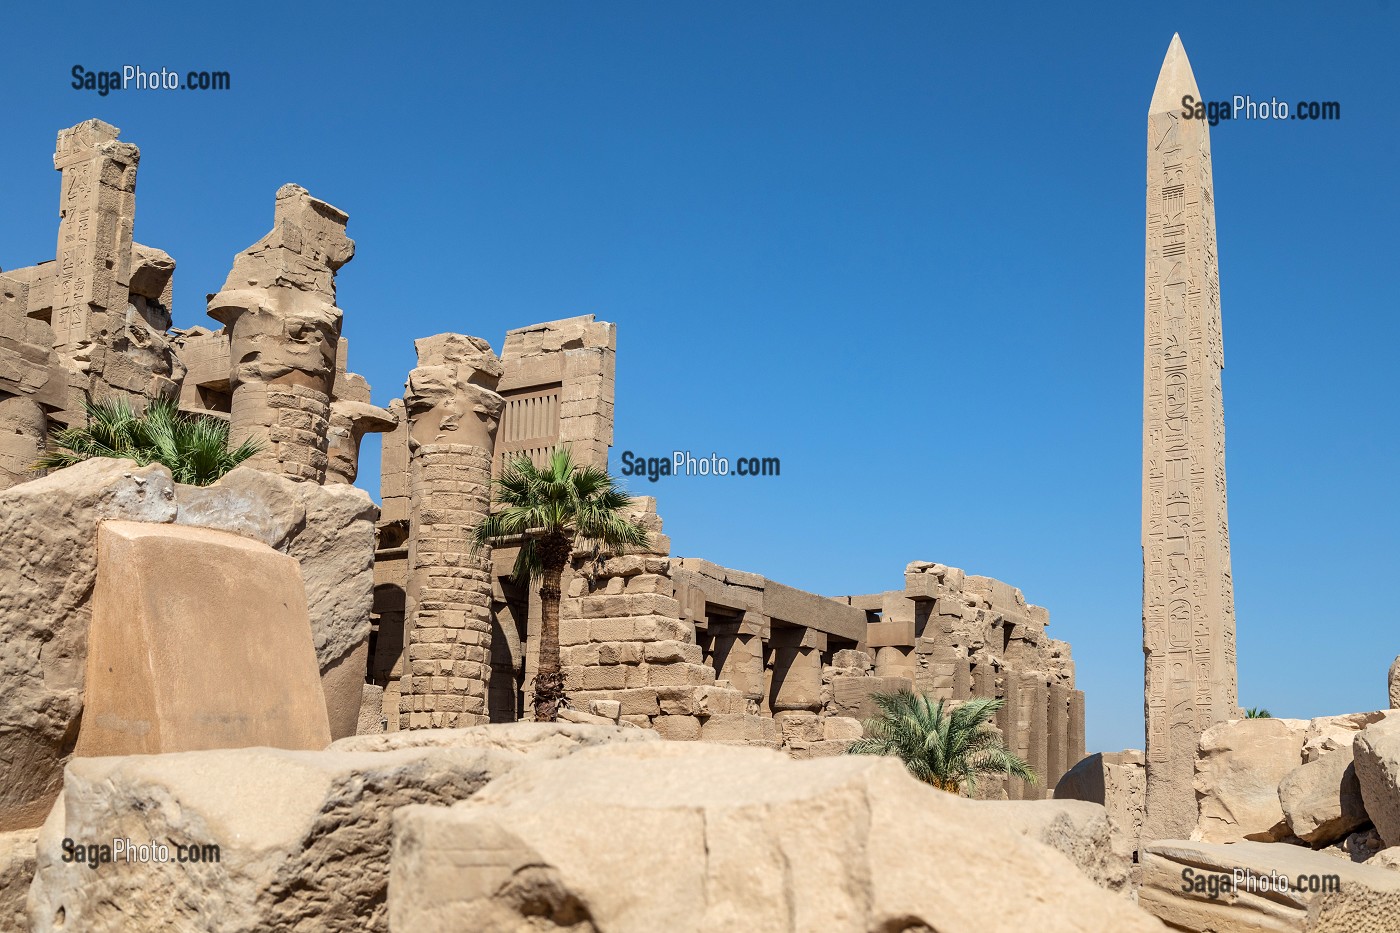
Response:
column 23, row 429
column 1076, row 728
column 1009, row 721
column 895, row 661
column 797, row 670
column 96, row 214
column 452, row 411
column 739, row 658
column 1057, row 739
column 984, row 681
column 1188, row 614
column 1036, row 695
column 278, row 305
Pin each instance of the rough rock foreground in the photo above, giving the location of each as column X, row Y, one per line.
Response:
column 586, row 828
column 685, row 836
column 48, row 534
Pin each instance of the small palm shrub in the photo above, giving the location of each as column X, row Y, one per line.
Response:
column 194, row 448
column 941, row 743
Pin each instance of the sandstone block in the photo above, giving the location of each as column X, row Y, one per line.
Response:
column 1239, row 765
column 1368, row 899
column 1322, row 799
column 1377, row 751
column 677, row 728
column 841, row 729
column 741, row 727
column 179, row 662
column 754, row 841
column 1117, row 781
column 48, row 534
column 1395, row 683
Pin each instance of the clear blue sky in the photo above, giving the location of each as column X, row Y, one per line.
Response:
column 897, row 245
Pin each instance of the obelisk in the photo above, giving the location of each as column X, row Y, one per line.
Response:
column 1188, row 608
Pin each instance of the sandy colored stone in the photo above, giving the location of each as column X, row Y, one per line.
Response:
column 1117, row 781
column 1239, row 766
column 18, row 853
column 538, row 739
column 330, row 531
column 1322, row 799
column 1077, row 829
column 753, row 841
column 1377, row 751
column 179, row 662
column 304, row 836
column 1388, row 859
column 1368, row 902
column 371, row 719
column 1395, row 683
column 48, row 533
column 1327, row 734
column 1188, row 614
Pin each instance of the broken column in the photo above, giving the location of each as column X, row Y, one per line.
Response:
column 453, row 411
column 352, row 417
column 278, row 305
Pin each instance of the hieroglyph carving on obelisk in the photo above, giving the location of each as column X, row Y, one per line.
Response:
column 1188, row 610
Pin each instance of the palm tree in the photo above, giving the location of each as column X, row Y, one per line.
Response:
column 195, row 448
column 1257, row 712
column 941, row 743
column 555, row 509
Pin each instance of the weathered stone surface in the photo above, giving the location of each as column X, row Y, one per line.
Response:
column 1368, row 900
column 48, row 532
column 371, row 720
column 1239, row 766
column 1395, row 683
column 1322, row 799
column 304, row 836
column 753, row 841
column 1377, row 750
column 17, row 860
column 1077, row 829
column 1117, row 781
column 178, row 662
column 330, row 531
column 1327, row 734
column 538, row 739
column 278, row 305
column 1188, row 605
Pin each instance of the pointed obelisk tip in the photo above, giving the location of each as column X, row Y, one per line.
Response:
column 1175, row 80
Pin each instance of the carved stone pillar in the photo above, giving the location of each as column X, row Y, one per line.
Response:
column 797, row 670
column 1057, row 740
column 452, row 411
column 284, row 334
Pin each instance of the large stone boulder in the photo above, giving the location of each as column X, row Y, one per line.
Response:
column 1118, row 782
column 302, row 837
column 1077, row 829
column 1192, row 886
column 48, row 533
column 330, row 531
column 1321, row 800
column 1327, row 734
column 181, row 661
column 692, row 836
column 1377, row 750
column 1239, row 765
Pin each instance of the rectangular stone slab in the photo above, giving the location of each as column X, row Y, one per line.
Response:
column 200, row 639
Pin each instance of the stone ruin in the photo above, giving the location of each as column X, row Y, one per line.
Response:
column 680, row 646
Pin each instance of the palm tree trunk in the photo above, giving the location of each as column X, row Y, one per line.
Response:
column 549, row 679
